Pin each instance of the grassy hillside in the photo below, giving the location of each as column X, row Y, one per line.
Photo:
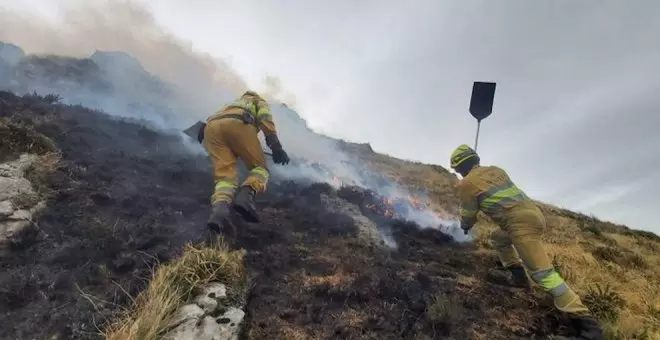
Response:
column 616, row 269
column 108, row 257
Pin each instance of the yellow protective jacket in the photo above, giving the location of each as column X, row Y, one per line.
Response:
column 490, row 190
column 255, row 107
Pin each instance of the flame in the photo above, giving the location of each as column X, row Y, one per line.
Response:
column 396, row 206
column 418, row 203
column 388, row 206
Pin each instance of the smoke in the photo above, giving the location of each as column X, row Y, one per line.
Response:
column 273, row 86
column 120, row 48
column 274, row 91
column 201, row 81
column 325, row 161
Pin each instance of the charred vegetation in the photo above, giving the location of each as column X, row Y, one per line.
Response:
column 124, row 198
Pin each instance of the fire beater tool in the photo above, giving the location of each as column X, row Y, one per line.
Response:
column 481, row 103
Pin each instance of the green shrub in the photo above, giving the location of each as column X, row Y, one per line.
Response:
column 644, row 234
column 605, row 303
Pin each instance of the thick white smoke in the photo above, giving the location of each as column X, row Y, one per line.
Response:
column 341, row 168
column 201, row 81
column 189, row 86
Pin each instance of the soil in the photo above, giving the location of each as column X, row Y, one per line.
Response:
column 127, row 198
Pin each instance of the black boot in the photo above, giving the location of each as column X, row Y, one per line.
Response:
column 519, row 277
column 244, row 204
column 513, row 276
column 220, row 220
column 588, row 327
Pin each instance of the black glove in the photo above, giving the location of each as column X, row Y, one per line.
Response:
column 279, row 155
column 466, row 225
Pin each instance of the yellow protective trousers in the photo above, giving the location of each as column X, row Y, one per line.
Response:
column 519, row 242
column 226, row 140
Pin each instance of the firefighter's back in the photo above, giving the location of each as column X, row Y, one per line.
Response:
column 498, row 197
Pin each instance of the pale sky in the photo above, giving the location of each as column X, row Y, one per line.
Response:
column 576, row 112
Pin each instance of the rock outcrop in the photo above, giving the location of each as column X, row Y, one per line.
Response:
column 18, row 200
column 209, row 317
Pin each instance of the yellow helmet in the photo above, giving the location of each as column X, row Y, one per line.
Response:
column 250, row 93
column 462, row 153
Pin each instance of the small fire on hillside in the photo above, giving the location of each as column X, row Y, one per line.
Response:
column 388, row 196
column 400, row 207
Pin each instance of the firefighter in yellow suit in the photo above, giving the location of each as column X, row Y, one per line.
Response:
column 518, row 242
column 229, row 134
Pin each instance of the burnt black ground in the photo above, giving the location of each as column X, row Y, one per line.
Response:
column 127, row 197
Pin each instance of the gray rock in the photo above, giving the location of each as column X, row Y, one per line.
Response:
column 196, row 322
column 10, row 228
column 6, row 208
column 186, row 313
column 184, row 331
column 230, row 329
column 21, row 215
column 12, row 186
column 12, row 183
column 208, row 299
column 224, row 327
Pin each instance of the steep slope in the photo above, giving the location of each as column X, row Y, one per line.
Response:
column 123, row 197
column 114, row 211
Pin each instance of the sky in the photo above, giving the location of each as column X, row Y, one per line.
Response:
column 576, row 108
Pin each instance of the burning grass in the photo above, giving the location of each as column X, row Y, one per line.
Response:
column 174, row 284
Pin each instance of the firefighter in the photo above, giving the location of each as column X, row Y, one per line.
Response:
column 518, row 242
column 229, row 134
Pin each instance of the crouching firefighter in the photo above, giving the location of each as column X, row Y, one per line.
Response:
column 229, row 134
column 518, row 242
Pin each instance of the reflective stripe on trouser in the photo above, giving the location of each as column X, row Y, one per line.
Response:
column 226, row 140
column 521, row 242
column 257, row 179
column 224, row 191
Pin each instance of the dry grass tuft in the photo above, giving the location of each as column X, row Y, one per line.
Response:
column 620, row 256
column 25, row 200
column 174, row 284
column 38, row 173
column 17, row 139
column 444, row 310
